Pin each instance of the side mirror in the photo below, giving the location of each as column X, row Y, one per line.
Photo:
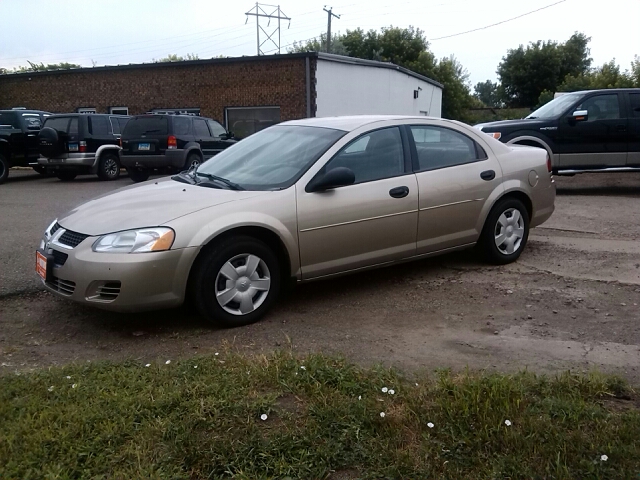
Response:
column 337, row 177
column 579, row 116
column 230, row 135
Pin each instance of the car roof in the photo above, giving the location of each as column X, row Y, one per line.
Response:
column 19, row 110
column 350, row 123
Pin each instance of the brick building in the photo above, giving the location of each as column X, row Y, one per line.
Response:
column 246, row 94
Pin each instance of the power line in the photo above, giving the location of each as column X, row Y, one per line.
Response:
column 498, row 23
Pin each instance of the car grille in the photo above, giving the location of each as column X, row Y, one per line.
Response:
column 59, row 258
column 54, row 229
column 109, row 291
column 65, row 287
column 71, row 239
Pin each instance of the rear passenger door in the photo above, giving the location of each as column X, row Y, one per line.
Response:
column 100, row 132
column 219, row 135
column 455, row 177
column 204, row 138
column 633, row 157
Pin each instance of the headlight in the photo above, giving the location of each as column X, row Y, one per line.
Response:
column 154, row 239
column 47, row 232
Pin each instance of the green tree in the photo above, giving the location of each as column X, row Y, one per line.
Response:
column 40, row 67
column 525, row 73
column 319, row 44
column 488, row 93
column 172, row 57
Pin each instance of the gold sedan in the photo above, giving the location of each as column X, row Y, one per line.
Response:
column 306, row 199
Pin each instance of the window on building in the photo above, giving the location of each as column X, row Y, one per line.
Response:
column 86, row 110
column 98, row 125
column 119, row 110
column 200, row 128
column 245, row 121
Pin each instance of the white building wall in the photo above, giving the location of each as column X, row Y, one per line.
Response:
column 347, row 89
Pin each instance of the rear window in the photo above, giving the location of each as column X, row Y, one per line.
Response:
column 63, row 124
column 151, row 125
column 32, row 121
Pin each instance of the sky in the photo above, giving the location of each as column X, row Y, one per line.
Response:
column 116, row 32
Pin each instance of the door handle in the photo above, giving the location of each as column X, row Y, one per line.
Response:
column 488, row 175
column 399, row 192
column 621, row 128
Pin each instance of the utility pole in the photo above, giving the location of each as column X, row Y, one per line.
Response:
column 329, row 14
column 259, row 11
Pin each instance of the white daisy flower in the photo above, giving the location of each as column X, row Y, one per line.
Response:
column 430, row 425
column 263, row 417
column 382, row 414
column 74, row 385
column 603, row 458
column 216, row 354
column 392, row 392
column 385, row 389
column 50, row 388
column 507, row 423
column 167, row 362
column 359, row 397
column 68, row 377
column 148, row 365
column 195, row 366
column 302, row 367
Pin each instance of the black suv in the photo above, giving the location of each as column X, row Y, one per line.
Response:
column 81, row 143
column 172, row 142
column 19, row 139
column 591, row 131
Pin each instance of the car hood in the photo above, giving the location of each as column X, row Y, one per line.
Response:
column 148, row 204
column 521, row 122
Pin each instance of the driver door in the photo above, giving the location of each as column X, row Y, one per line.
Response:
column 372, row 221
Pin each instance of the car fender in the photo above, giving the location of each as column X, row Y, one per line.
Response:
column 5, row 148
column 507, row 187
column 190, row 147
column 103, row 149
column 530, row 137
column 489, row 202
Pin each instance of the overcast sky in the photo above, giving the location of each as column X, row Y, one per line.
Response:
column 133, row 31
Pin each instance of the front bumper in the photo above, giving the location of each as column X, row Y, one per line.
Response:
column 171, row 158
column 120, row 282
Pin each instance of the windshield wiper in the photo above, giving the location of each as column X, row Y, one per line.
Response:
column 151, row 131
column 228, row 183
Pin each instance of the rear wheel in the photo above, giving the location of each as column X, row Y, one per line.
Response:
column 236, row 282
column 138, row 175
column 66, row 175
column 193, row 160
column 4, row 168
column 505, row 232
column 108, row 166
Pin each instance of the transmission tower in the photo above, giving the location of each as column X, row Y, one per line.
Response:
column 262, row 10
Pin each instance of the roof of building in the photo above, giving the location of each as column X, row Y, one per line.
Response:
column 214, row 61
column 352, row 122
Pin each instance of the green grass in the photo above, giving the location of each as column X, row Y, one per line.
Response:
column 176, row 421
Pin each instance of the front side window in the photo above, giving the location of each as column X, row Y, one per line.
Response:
column 601, row 107
column 557, row 106
column 373, row 156
column 200, row 128
column 273, row 158
column 439, row 147
column 635, row 104
column 217, row 130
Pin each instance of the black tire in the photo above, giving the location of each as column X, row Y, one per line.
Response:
column 138, row 175
column 492, row 230
column 108, row 166
column 193, row 159
column 207, row 279
column 4, row 169
column 51, row 142
column 66, row 175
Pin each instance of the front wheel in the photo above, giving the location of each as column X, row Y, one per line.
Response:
column 505, row 232
column 108, row 166
column 236, row 282
column 66, row 176
column 138, row 175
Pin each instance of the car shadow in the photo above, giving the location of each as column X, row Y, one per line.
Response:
column 606, row 191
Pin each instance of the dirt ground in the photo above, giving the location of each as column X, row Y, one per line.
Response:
column 570, row 302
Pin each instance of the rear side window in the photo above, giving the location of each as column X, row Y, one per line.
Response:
column 635, row 105
column 181, row 125
column 98, row 125
column 441, row 147
column 149, row 125
column 63, row 124
column 122, row 121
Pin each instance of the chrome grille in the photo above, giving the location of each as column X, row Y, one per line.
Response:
column 72, row 239
column 59, row 258
column 109, row 291
column 65, row 287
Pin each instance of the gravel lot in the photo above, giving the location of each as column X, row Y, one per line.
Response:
column 570, row 302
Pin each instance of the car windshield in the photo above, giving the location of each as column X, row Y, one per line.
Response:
column 557, row 106
column 273, row 158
